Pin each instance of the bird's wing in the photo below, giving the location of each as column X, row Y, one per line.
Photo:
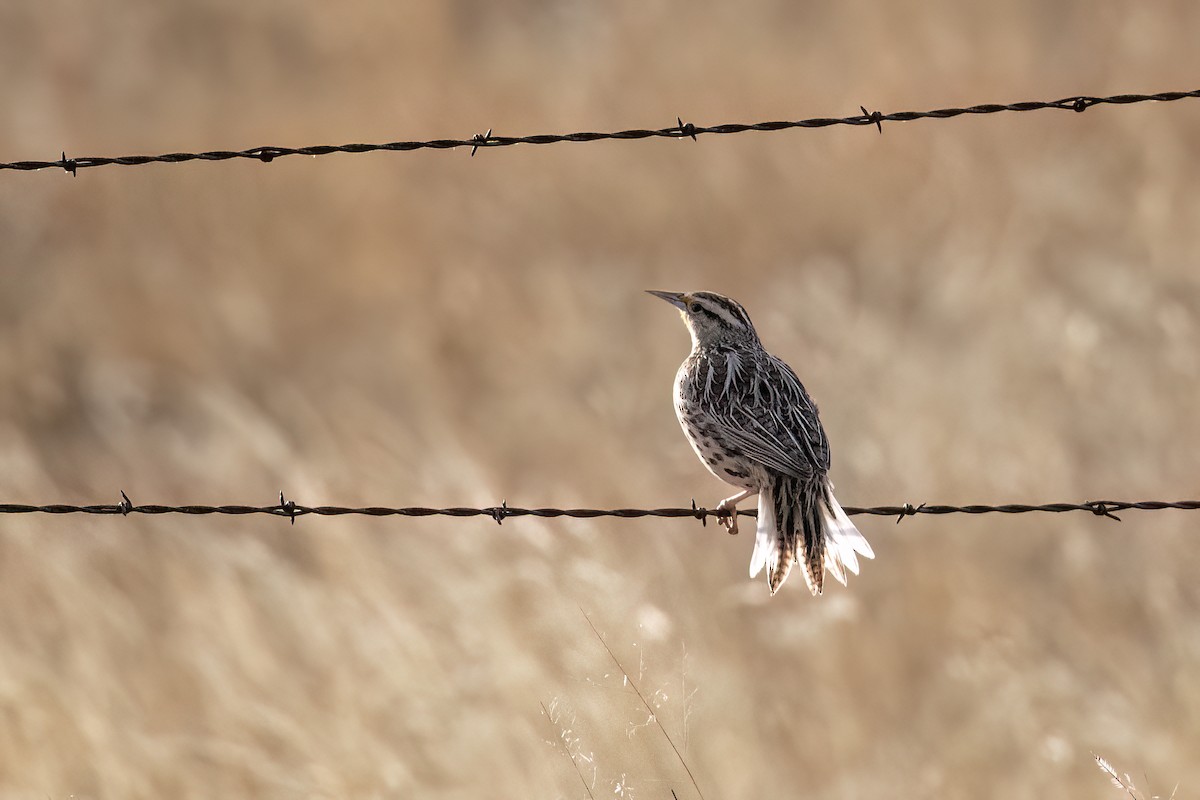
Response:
column 767, row 414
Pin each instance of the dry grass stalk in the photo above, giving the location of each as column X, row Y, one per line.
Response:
column 649, row 708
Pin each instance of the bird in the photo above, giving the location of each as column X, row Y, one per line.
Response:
column 754, row 426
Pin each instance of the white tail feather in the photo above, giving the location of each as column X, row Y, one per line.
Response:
column 766, row 542
column 843, row 542
column 834, row 564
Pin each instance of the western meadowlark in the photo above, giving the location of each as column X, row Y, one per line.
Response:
column 753, row 425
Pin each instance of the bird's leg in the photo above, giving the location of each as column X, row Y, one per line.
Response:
column 730, row 504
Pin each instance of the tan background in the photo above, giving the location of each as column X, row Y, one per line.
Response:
column 988, row 310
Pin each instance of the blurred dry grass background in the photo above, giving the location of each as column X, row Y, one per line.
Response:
column 988, row 310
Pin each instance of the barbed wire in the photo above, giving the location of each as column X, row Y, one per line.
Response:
column 291, row 510
column 682, row 130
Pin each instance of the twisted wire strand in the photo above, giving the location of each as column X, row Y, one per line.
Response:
column 291, row 510
column 682, row 130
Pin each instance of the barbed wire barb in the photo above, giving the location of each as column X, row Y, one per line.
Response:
column 873, row 116
column 291, row 510
column 68, row 164
column 480, row 139
column 686, row 129
column 267, row 154
column 287, row 507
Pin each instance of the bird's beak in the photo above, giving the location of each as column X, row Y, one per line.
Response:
column 674, row 298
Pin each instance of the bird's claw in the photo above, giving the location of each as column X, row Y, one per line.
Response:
column 729, row 523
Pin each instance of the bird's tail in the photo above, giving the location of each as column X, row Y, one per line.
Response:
column 801, row 520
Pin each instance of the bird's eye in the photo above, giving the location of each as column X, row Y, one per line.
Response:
column 695, row 308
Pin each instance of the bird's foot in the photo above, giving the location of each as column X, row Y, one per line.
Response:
column 729, row 504
column 729, row 523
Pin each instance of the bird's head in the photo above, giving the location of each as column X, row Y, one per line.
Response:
column 711, row 318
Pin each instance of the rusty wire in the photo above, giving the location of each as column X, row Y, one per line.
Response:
column 682, row 130
column 291, row 510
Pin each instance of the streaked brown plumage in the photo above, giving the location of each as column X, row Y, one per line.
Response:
column 753, row 425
